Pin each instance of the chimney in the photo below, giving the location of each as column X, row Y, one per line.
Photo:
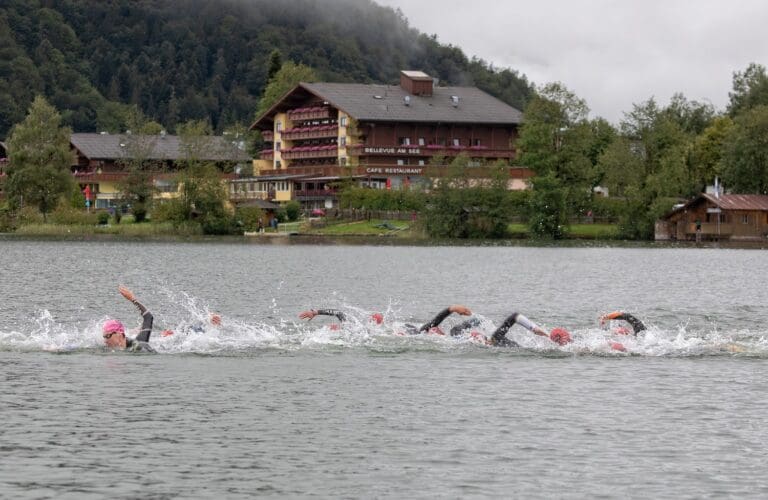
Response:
column 416, row 83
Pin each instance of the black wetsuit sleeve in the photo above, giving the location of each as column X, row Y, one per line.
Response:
column 636, row 324
column 464, row 325
column 500, row 335
column 436, row 320
column 146, row 324
column 332, row 312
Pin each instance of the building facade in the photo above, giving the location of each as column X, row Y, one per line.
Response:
column 102, row 161
column 380, row 136
column 741, row 217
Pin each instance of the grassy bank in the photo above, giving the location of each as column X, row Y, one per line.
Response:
column 374, row 227
column 406, row 230
column 129, row 230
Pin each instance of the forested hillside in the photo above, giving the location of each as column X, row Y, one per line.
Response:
column 179, row 60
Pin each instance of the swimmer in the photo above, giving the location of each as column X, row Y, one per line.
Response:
column 499, row 338
column 214, row 319
column 636, row 324
column 377, row 318
column 311, row 313
column 434, row 325
column 113, row 330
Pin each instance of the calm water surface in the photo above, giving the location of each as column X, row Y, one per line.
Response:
column 268, row 406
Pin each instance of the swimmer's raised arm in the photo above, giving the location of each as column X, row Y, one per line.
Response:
column 311, row 313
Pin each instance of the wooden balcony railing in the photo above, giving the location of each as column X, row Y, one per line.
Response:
column 314, row 113
column 314, row 193
column 315, row 132
column 328, row 151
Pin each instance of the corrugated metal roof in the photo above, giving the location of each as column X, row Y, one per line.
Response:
column 387, row 103
column 154, row 147
column 740, row 201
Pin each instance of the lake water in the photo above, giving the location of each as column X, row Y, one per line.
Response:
column 271, row 406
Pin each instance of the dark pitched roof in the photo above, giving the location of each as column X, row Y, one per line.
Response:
column 169, row 147
column 739, row 201
column 387, row 103
column 262, row 204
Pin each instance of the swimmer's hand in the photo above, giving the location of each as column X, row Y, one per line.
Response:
column 459, row 309
column 308, row 315
column 126, row 293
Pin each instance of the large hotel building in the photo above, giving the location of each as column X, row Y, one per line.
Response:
column 381, row 136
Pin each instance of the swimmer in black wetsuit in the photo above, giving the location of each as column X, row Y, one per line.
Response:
column 378, row 318
column 499, row 337
column 311, row 313
column 113, row 330
column 636, row 324
column 214, row 319
column 433, row 325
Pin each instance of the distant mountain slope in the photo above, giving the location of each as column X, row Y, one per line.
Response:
column 192, row 59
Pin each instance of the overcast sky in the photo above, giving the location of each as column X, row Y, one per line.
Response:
column 612, row 53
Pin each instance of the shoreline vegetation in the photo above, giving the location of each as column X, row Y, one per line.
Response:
column 320, row 231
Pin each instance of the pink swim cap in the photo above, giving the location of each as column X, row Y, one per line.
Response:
column 560, row 336
column 377, row 318
column 113, row 325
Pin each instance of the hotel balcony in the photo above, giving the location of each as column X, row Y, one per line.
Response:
column 250, row 195
column 327, row 151
column 267, row 135
column 430, row 150
column 314, row 132
column 267, row 154
column 315, row 113
column 305, row 194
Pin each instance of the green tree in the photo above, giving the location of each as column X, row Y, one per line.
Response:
column 275, row 63
column 692, row 116
column 707, row 152
column 203, row 194
column 548, row 210
column 649, row 166
column 745, row 153
column 750, row 89
column 445, row 215
column 559, row 143
column 40, row 159
column 292, row 210
column 137, row 189
column 288, row 77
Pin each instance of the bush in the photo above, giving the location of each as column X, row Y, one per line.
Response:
column 248, row 218
column 66, row 215
column 103, row 218
column 212, row 224
column 607, row 207
column 292, row 210
column 281, row 215
column 169, row 211
column 7, row 220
